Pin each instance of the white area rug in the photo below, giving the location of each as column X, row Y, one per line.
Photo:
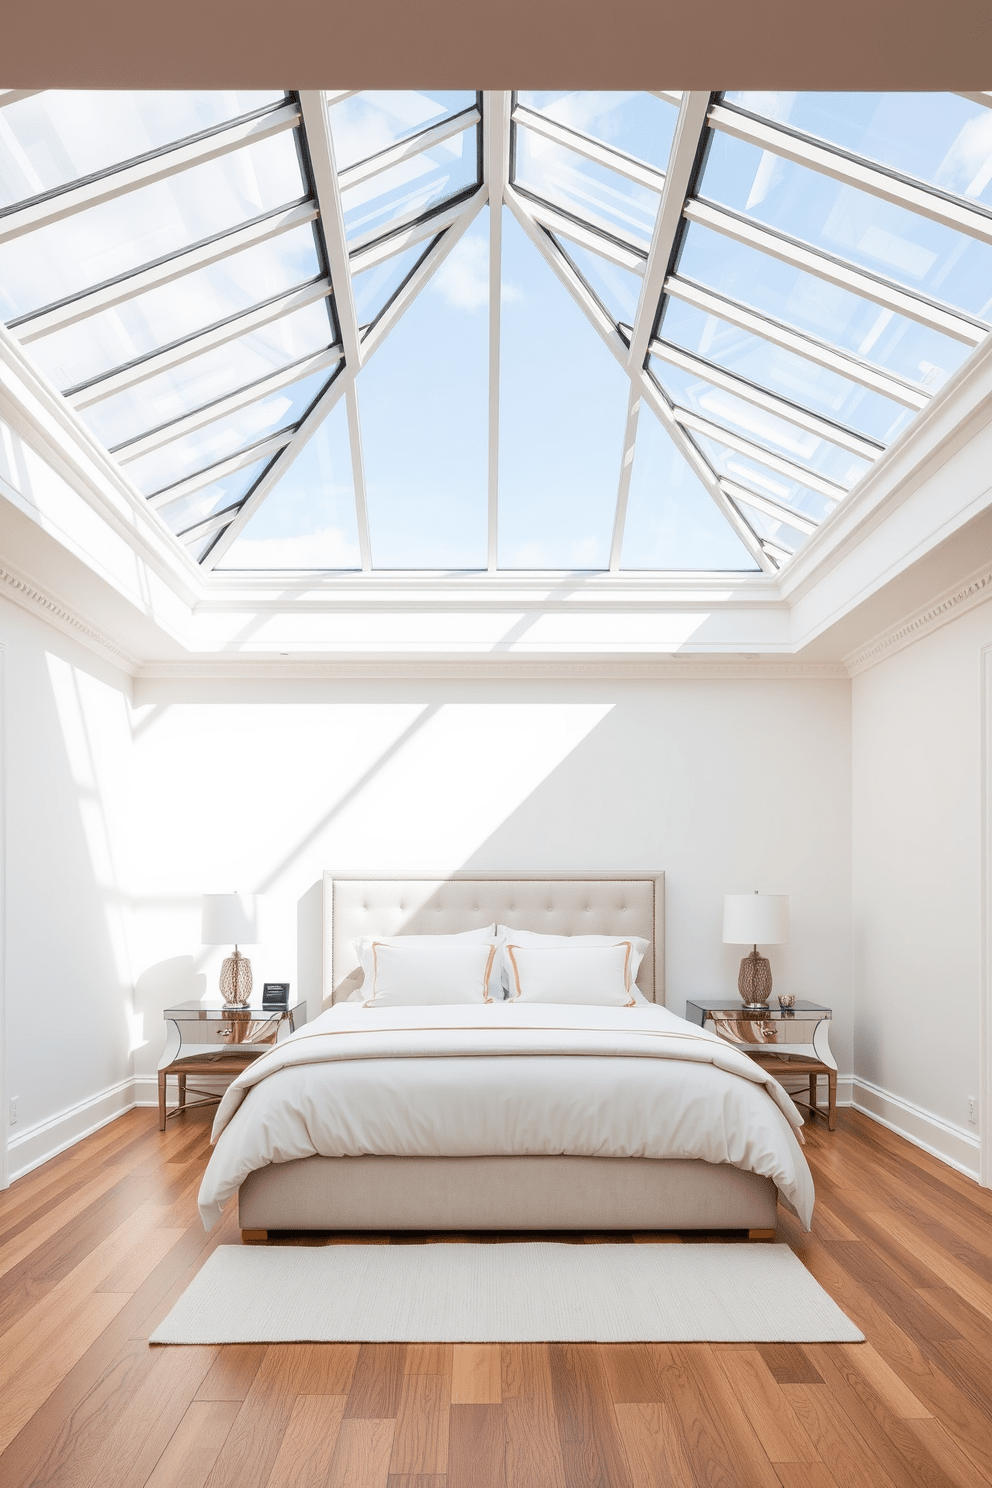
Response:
column 505, row 1293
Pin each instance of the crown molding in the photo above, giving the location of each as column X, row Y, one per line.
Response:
column 957, row 600
column 30, row 596
column 485, row 669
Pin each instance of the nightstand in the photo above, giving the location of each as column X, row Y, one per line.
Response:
column 784, row 1041
column 218, row 1040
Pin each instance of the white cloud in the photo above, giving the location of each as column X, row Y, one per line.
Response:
column 328, row 548
column 463, row 278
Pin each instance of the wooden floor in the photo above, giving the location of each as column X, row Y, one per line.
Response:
column 99, row 1242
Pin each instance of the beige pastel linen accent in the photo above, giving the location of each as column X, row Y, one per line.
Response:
column 510, row 1079
column 404, row 976
column 584, row 975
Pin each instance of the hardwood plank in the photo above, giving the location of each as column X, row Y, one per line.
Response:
column 788, row 1364
column 476, row 1374
column 710, row 1457
column 361, row 1455
column 749, row 1453
column 420, row 1441
column 863, row 1359
column 193, row 1448
column 377, row 1381
column 652, row 1446
column 591, row 1450
column 780, row 1434
column 476, row 1448
column 532, row 1446
column 232, row 1372
column 960, row 1466
column 417, row 1480
column 633, row 1371
column 308, row 1445
column 140, row 1261
column 836, row 1439
column 428, row 1358
column 969, row 1322
column 249, row 1454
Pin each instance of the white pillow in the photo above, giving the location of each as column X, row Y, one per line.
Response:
column 538, row 940
column 363, row 945
column 577, row 974
column 406, row 975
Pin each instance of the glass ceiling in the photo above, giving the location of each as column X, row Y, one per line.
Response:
column 457, row 332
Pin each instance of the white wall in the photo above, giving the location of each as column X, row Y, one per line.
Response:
column 726, row 785
column 68, row 974
column 916, row 732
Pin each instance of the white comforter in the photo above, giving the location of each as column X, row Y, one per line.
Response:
column 471, row 1080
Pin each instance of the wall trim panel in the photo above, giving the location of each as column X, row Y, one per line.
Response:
column 952, row 1144
column 30, row 1148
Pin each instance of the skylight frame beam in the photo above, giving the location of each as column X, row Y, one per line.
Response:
column 158, row 165
column 88, row 302
column 298, row 439
column 587, row 237
column 243, row 397
column 420, row 231
column 779, row 334
column 209, row 524
column 836, row 271
column 668, row 95
column 799, row 520
column 496, row 114
column 178, row 352
column 701, row 468
column 407, row 149
column 626, row 471
column 634, row 170
column 263, row 450
column 419, row 217
column 316, row 125
column 852, row 170
column 823, row 428
column 14, row 95
column 689, row 420
column 423, row 272
column 358, row 475
column 985, row 99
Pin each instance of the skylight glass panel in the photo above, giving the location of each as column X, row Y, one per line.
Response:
column 203, row 447
column 54, row 138
column 139, row 326
column 617, row 289
column 228, row 491
column 836, row 316
column 307, row 521
column 367, row 123
column 776, row 434
column 375, row 287
column 594, row 194
column 424, row 403
column 745, row 471
column 672, row 521
column 203, row 379
column 117, row 236
column 636, row 123
column 563, row 409
column 405, row 191
column 775, row 530
column 784, row 372
column 942, row 139
column 862, row 229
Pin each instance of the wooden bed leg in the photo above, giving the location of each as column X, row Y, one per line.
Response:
column 255, row 1237
column 751, row 1234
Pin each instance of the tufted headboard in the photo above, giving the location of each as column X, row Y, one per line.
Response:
column 433, row 904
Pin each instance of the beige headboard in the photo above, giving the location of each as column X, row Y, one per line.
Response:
column 433, row 904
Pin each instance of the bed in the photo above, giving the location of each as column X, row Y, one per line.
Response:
column 502, row 1118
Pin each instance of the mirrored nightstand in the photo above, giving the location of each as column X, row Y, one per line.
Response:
column 785, row 1041
column 204, row 1039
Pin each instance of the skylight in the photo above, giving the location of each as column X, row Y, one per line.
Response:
column 467, row 332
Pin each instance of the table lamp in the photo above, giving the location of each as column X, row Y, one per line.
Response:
column 753, row 919
column 232, row 919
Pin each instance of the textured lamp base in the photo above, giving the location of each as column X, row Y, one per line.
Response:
column 754, row 981
column 235, row 979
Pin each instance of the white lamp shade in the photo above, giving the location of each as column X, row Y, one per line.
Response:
column 756, row 919
column 230, row 919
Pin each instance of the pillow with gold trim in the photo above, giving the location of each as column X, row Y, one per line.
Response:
column 406, row 975
column 577, row 974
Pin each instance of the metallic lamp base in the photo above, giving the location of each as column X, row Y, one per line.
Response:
column 754, row 981
column 235, row 979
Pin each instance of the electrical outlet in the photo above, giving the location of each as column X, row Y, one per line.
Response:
column 13, row 1109
column 973, row 1109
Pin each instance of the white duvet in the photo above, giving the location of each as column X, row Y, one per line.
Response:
column 472, row 1080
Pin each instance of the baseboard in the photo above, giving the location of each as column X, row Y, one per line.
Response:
column 955, row 1145
column 30, row 1148
column 146, row 1087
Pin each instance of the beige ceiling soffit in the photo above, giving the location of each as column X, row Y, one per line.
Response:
column 37, row 601
column 954, row 602
column 596, row 669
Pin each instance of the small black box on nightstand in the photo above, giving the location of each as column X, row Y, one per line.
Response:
column 275, row 995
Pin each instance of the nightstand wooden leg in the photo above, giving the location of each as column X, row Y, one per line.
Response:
column 832, row 1101
column 812, row 1093
column 161, row 1100
column 182, row 1089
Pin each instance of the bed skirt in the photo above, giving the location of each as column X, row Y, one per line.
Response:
column 504, row 1193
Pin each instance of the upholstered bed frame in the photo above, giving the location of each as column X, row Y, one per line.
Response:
column 499, row 1193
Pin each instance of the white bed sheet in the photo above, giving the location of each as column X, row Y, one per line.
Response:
column 506, row 1079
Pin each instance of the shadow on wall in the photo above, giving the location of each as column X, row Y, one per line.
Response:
column 165, row 985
